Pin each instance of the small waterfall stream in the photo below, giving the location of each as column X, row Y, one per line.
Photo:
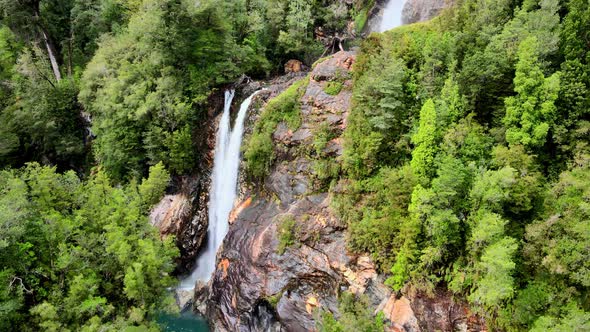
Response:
column 223, row 189
column 392, row 16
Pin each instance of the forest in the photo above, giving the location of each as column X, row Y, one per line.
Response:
column 466, row 161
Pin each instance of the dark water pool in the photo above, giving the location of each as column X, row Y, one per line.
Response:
column 184, row 322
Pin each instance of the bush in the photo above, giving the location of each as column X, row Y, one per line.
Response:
column 288, row 230
column 333, row 88
column 356, row 315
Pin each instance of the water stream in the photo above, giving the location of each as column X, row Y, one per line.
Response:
column 392, row 15
column 223, row 191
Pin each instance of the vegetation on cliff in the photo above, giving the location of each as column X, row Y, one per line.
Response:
column 466, row 159
column 259, row 151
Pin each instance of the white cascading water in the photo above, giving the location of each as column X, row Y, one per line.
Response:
column 223, row 191
column 392, row 16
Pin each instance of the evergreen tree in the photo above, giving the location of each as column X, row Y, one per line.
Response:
column 425, row 141
column 531, row 113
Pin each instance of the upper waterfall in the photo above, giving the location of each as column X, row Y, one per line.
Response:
column 223, row 189
column 392, row 15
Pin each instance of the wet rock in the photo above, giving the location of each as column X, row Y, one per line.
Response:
column 169, row 213
column 334, row 147
column 334, row 119
column 423, row 10
column 399, row 312
column 184, row 298
column 263, row 319
column 199, row 299
column 238, row 209
column 301, row 136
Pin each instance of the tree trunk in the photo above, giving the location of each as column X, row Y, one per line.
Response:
column 49, row 45
column 52, row 55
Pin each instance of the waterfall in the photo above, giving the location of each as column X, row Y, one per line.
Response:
column 392, row 15
column 223, row 191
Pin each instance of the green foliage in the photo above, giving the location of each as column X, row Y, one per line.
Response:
column 355, row 315
column 152, row 188
column 496, row 266
column 574, row 319
column 425, row 142
column 481, row 214
column 274, row 299
column 531, row 113
column 140, row 97
column 41, row 118
column 325, row 168
column 384, row 105
column 560, row 241
column 333, row 88
column 299, row 22
column 360, row 20
column 375, row 221
column 259, row 150
column 322, row 135
column 79, row 255
column 287, row 230
column 182, row 154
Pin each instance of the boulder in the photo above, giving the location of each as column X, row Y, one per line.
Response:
column 335, row 67
column 293, row 66
column 184, row 216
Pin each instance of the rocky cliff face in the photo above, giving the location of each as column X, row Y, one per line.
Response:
column 423, row 10
column 184, row 215
column 260, row 285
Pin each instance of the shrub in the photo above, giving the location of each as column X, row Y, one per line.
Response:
column 288, row 230
column 355, row 315
column 273, row 300
column 333, row 88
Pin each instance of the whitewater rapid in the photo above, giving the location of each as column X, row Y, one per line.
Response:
column 223, row 191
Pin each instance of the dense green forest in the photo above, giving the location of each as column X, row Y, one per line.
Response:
column 466, row 164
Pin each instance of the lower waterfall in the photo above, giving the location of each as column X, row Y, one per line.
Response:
column 223, row 191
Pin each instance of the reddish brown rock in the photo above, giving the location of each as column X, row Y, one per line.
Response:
column 293, row 66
